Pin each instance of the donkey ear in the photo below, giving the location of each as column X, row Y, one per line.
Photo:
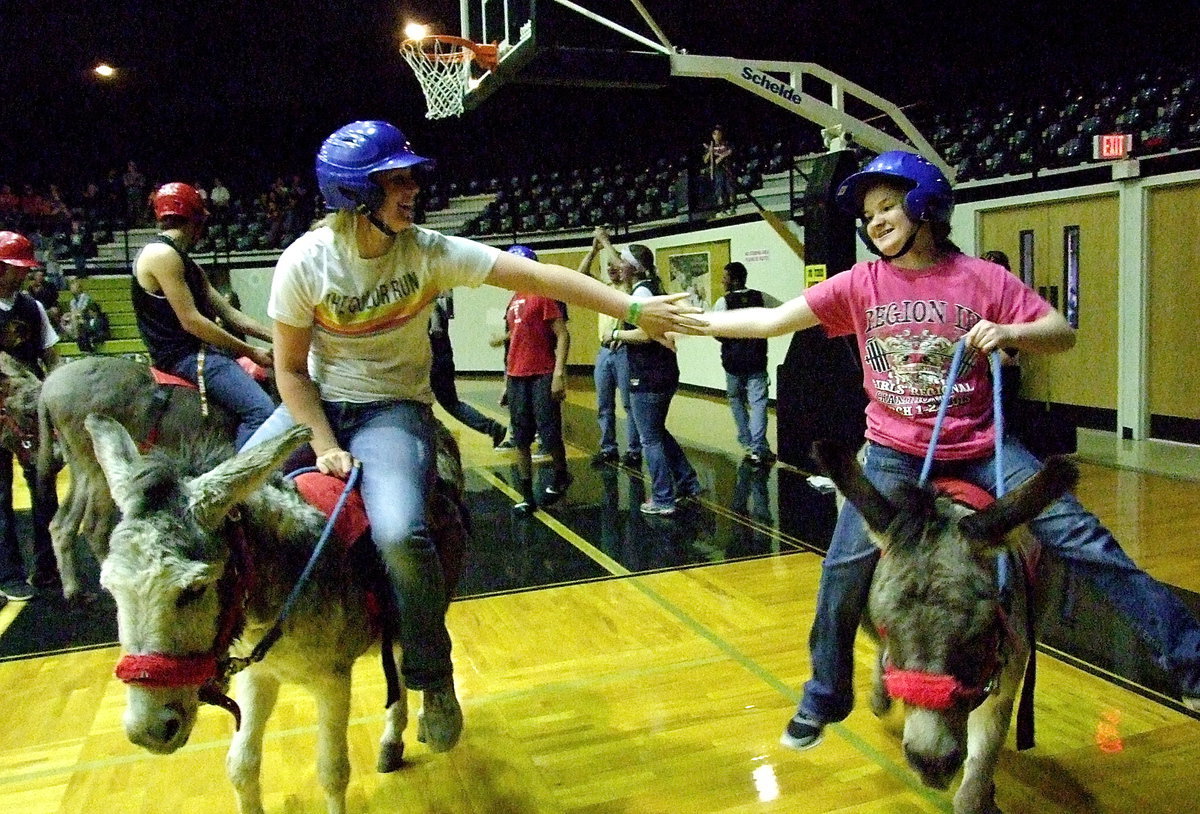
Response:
column 1024, row 503
column 843, row 469
column 115, row 452
column 214, row 493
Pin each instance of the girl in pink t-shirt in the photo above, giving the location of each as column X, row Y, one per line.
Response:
column 907, row 310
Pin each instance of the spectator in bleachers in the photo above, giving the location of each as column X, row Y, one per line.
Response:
column 91, row 203
column 73, row 316
column 56, row 208
column 718, row 164
column 219, row 200
column 135, row 193
column 112, row 196
column 81, row 246
column 10, row 204
column 177, row 308
column 45, row 293
column 93, row 328
column 33, row 205
column 26, row 335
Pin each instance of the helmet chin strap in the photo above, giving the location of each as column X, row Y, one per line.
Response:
column 375, row 221
column 908, row 244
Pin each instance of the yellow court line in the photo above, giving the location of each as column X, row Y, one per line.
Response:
column 8, row 614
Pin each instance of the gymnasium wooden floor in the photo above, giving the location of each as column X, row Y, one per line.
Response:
column 609, row 662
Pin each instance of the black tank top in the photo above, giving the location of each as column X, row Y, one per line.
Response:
column 164, row 335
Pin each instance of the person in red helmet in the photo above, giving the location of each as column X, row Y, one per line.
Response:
column 28, row 337
column 177, row 310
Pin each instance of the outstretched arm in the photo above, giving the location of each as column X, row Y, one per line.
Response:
column 760, row 323
column 656, row 315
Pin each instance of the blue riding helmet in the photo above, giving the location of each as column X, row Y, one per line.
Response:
column 929, row 197
column 352, row 154
column 522, row 251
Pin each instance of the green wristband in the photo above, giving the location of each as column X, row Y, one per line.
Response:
column 634, row 314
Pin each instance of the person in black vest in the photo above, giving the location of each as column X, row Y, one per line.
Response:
column 177, row 310
column 653, row 380
column 745, row 363
column 441, row 375
column 28, row 337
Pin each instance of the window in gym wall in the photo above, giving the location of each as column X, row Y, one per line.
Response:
column 1071, row 275
column 1025, row 266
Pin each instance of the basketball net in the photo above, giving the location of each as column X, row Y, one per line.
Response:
column 443, row 67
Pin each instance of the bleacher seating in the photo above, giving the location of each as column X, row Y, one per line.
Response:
column 111, row 292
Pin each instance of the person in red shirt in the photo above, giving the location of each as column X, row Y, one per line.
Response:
column 536, row 364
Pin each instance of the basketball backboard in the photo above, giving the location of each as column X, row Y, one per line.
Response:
column 551, row 42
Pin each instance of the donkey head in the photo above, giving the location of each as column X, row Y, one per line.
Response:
column 934, row 598
column 164, row 568
column 19, row 390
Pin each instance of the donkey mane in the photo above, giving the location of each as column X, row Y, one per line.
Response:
column 919, row 520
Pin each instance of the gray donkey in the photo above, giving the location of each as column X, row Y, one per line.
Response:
column 177, row 567
column 947, row 647
column 124, row 390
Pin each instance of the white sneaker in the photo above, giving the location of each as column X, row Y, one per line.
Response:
column 440, row 721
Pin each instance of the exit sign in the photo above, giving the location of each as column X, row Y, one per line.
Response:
column 1112, row 147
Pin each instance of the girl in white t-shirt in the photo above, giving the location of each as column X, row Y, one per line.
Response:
column 350, row 302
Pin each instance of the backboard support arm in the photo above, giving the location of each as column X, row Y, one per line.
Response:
column 761, row 77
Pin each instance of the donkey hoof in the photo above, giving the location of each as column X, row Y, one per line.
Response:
column 391, row 757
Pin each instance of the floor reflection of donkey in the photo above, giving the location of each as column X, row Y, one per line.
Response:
column 948, row 647
column 173, row 570
column 122, row 389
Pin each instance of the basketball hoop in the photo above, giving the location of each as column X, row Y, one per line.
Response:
column 442, row 64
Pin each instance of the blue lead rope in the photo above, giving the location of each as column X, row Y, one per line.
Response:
column 260, row 650
column 997, row 416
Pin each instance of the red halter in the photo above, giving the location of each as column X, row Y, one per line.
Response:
column 162, row 670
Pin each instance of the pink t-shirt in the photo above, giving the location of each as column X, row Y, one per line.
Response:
column 907, row 323
column 531, row 339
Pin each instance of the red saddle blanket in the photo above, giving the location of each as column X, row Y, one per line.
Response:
column 323, row 491
column 446, row 519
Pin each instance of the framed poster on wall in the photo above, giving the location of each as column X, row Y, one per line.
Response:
column 695, row 268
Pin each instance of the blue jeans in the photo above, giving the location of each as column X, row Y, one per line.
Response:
column 747, row 393
column 612, row 374
column 671, row 475
column 1073, row 533
column 233, row 388
column 395, row 442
